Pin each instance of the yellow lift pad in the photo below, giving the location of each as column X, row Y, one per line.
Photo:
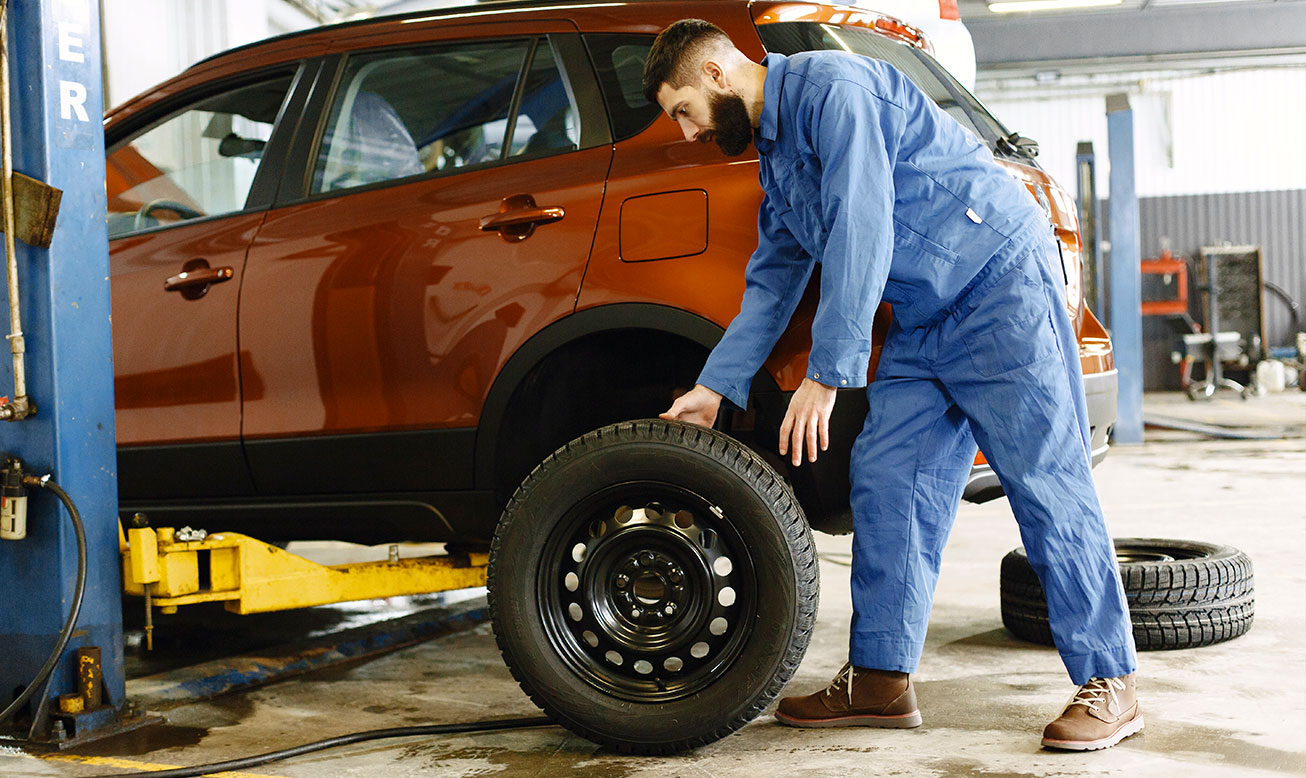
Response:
column 250, row 576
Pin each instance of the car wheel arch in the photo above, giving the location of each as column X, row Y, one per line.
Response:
column 641, row 320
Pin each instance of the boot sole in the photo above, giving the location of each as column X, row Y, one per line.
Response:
column 902, row 721
column 1130, row 727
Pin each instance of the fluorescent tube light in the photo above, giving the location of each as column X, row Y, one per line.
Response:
column 1014, row 6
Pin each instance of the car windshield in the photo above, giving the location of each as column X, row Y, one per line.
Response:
column 792, row 37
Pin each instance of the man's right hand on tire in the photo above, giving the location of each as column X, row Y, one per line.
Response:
column 697, row 406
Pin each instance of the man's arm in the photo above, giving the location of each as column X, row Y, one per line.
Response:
column 774, row 281
column 855, row 134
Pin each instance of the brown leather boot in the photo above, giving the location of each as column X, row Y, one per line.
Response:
column 1102, row 713
column 857, row 697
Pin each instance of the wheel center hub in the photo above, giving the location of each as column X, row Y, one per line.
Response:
column 649, row 588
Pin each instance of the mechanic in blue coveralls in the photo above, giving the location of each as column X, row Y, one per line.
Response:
column 865, row 175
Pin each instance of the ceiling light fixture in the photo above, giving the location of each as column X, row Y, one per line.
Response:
column 1015, row 6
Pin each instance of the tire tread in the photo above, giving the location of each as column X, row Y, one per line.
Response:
column 1177, row 604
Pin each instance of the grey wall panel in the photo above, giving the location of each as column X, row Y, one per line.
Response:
column 1275, row 221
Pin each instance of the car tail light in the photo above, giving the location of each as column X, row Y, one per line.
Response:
column 901, row 30
column 948, row 10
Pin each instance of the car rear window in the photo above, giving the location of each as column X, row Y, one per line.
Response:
column 792, row 37
column 619, row 62
column 438, row 109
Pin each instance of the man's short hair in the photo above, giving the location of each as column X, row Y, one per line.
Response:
column 677, row 53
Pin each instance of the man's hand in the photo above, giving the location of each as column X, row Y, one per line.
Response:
column 807, row 420
column 697, row 406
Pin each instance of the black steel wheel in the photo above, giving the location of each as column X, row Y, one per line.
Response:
column 1181, row 593
column 653, row 586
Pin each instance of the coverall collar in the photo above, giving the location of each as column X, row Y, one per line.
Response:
column 776, row 67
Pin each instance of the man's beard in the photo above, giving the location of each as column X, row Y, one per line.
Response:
column 731, row 128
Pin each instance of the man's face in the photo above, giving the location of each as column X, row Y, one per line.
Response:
column 709, row 116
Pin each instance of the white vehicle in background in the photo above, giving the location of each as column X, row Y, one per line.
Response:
column 941, row 22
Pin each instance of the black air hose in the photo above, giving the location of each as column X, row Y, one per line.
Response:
column 44, row 482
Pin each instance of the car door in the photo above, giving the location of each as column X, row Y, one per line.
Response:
column 445, row 214
column 183, row 197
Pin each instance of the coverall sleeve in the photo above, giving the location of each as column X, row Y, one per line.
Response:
column 855, row 135
column 774, row 280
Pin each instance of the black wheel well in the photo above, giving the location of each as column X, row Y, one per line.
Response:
column 597, row 379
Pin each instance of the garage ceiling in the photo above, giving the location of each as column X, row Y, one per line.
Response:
column 1138, row 31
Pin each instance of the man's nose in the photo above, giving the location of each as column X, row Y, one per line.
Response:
column 689, row 129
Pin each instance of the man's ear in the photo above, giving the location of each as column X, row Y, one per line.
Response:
column 714, row 73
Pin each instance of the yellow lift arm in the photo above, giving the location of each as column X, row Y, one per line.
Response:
column 250, row 576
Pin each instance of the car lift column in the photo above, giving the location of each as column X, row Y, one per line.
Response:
column 56, row 109
column 1126, row 318
column 1090, row 245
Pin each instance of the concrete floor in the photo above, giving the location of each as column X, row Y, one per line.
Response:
column 1234, row 709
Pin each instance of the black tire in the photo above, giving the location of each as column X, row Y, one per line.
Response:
column 613, row 529
column 1181, row 593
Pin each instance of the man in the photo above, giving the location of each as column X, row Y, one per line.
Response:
column 865, row 175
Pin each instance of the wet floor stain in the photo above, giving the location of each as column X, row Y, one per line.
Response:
column 145, row 741
column 556, row 756
column 1202, row 745
column 223, row 712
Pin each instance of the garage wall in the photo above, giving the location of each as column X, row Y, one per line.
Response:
column 180, row 34
column 1275, row 221
column 1220, row 156
column 1239, row 130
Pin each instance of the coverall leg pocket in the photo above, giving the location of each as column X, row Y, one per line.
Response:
column 1011, row 327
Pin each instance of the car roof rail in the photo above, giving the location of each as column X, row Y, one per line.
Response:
column 434, row 13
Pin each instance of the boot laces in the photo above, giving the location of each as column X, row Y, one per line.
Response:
column 844, row 678
column 1097, row 691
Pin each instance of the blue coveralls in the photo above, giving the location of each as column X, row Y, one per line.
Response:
column 864, row 174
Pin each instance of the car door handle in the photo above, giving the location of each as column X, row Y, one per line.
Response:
column 518, row 217
column 195, row 277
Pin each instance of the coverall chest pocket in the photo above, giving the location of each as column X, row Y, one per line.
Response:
column 908, row 242
column 1010, row 327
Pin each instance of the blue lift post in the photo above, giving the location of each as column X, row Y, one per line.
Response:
column 1126, row 318
column 1086, row 196
column 56, row 110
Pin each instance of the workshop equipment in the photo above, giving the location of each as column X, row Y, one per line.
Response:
column 171, row 568
column 1173, row 274
column 1234, row 325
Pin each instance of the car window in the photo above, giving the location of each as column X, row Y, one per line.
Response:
column 199, row 161
column 547, row 120
column 619, row 61
column 792, row 37
column 400, row 114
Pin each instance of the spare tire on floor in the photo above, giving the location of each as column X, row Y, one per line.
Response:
column 1181, row 593
column 653, row 586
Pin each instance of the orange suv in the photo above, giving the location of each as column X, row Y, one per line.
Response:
column 367, row 277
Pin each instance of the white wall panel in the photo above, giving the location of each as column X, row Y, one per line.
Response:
column 148, row 41
column 1240, row 131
